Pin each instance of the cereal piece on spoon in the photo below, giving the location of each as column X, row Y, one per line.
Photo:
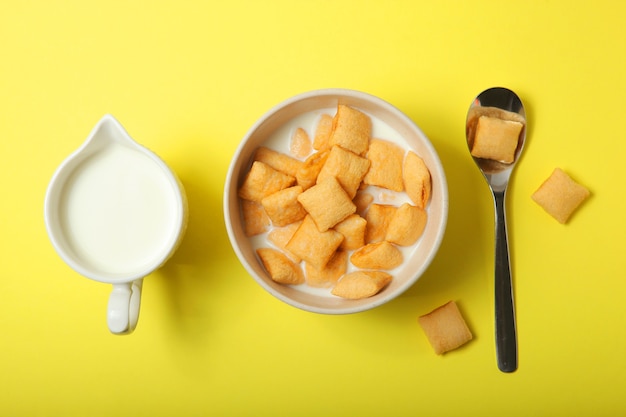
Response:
column 496, row 139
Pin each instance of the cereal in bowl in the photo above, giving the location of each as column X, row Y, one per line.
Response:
column 343, row 208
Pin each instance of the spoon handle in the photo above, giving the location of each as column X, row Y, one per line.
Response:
column 506, row 338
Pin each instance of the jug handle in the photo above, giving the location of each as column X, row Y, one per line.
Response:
column 123, row 307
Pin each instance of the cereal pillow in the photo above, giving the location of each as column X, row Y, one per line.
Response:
column 327, row 203
column 263, row 180
column 417, row 180
column 280, row 268
column 255, row 219
column 496, row 139
column 300, row 145
column 560, row 195
column 279, row 161
column 406, row 225
column 307, row 174
column 280, row 236
column 353, row 230
column 386, row 165
column 347, row 167
column 322, row 132
column 351, row 130
column 283, row 207
column 379, row 255
column 329, row 274
column 445, row 328
column 313, row 246
column 378, row 217
column 361, row 284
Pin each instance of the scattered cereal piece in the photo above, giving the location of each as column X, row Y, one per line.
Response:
column 386, row 168
column 406, row 225
column 361, row 284
column 417, row 180
column 353, row 230
column 329, row 274
column 279, row 161
column 322, row 132
column 313, row 246
column 327, row 203
column 379, row 255
column 351, row 130
column 300, row 146
column 263, row 180
column 283, row 206
column 280, row 268
column 560, row 195
column 255, row 219
column 496, row 139
column 347, row 167
column 445, row 328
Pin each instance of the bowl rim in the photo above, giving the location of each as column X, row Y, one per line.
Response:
column 233, row 175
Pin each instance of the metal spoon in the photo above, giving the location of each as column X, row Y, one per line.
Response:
column 504, row 104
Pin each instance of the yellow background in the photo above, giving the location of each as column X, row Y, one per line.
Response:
column 187, row 79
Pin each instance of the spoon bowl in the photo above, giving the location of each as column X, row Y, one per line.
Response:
column 504, row 104
column 500, row 103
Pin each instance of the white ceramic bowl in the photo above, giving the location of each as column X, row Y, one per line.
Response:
column 413, row 266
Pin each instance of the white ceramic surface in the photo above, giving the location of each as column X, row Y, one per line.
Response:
column 429, row 243
column 115, row 212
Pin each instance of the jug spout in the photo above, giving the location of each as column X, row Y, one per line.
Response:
column 106, row 132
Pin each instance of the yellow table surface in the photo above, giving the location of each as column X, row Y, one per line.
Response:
column 187, row 79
